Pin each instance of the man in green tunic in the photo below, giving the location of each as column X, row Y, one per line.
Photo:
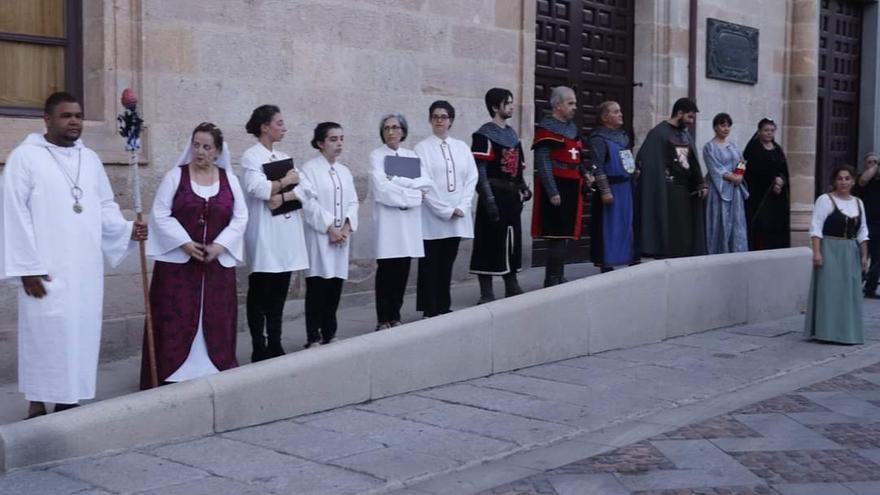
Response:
column 671, row 189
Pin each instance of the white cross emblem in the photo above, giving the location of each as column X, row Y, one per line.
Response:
column 574, row 153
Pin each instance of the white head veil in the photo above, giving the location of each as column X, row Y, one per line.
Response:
column 223, row 159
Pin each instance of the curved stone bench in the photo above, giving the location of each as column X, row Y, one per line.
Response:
column 638, row 305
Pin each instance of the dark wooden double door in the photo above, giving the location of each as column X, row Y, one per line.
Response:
column 840, row 42
column 587, row 45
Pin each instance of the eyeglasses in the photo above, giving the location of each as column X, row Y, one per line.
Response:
column 389, row 128
column 441, row 118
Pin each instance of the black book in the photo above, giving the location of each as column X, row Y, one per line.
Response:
column 275, row 171
column 403, row 166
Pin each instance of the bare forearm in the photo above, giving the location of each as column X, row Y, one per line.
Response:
column 867, row 175
column 816, row 244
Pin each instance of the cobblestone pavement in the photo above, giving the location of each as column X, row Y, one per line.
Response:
column 823, row 439
column 739, row 410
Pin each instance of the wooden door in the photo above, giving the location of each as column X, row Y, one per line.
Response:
column 840, row 35
column 587, row 45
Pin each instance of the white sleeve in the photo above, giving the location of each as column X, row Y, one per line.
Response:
column 862, row 236
column 394, row 193
column 314, row 215
column 435, row 205
column 166, row 233
column 253, row 181
column 18, row 248
column 116, row 240
column 232, row 236
column 821, row 210
column 470, row 183
column 351, row 209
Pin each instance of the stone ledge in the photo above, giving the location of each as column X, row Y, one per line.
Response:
column 640, row 305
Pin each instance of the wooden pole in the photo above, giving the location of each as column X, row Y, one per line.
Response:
column 149, row 337
column 148, row 318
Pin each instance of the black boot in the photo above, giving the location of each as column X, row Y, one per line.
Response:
column 562, row 278
column 274, row 348
column 259, row 353
column 487, row 293
column 552, row 272
column 511, row 285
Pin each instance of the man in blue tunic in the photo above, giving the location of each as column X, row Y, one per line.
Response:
column 612, row 216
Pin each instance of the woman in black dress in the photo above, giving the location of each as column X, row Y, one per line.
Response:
column 767, row 208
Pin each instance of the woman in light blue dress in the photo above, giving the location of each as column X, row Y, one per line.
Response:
column 725, row 204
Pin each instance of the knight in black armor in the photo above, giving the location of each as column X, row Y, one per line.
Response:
column 502, row 191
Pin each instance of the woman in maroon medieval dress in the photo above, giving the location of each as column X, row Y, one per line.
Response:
column 199, row 215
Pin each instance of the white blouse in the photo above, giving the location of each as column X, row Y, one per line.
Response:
column 167, row 235
column 273, row 243
column 329, row 199
column 849, row 207
column 397, row 208
column 450, row 166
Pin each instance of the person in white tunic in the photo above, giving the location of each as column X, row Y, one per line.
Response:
column 274, row 243
column 198, row 217
column 330, row 206
column 397, row 221
column 58, row 220
column 447, row 218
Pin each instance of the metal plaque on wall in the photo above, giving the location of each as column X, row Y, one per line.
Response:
column 731, row 52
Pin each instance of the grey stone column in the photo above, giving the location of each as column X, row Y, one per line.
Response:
column 869, row 108
column 799, row 130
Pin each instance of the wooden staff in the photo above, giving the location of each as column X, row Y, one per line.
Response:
column 130, row 128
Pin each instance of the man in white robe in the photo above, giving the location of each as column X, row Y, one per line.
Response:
column 57, row 218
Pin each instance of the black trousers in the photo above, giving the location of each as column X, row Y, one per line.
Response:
column 322, row 301
column 435, row 276
column 266, row 295
column 873, row 273
column 391, row 277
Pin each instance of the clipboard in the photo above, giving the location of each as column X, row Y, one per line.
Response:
column 403, row 166
column 275, row 171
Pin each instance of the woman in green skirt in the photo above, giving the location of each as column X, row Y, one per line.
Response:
column 839, row 236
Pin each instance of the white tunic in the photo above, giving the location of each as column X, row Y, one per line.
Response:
column 397, row 212
column 166, row 237
column 329, row 200
column 273, row 244
column 60, row 334
column 849, row 207
column 451, row 167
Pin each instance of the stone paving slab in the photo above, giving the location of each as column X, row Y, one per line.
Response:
column 208, row 486
column 304, row 441
column 507, row 427
column 864, row 487
column 470, row 481
column 265, row 468
column 129, row 472
column 395, row 463
column 514, row 403
column 812, row 489
column 41, row 482
column 777, row 432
